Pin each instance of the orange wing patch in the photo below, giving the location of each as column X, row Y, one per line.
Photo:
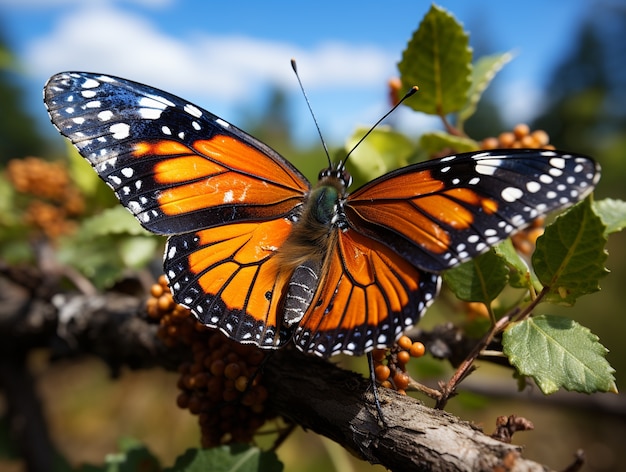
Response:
column 368, row 297
column 426, row 220
column 215, row 172
column 230, row 279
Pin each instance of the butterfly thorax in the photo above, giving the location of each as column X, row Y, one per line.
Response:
column 305, row 253
column 320, row 217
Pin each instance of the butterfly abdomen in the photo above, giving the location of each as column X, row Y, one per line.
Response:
column 304, row 253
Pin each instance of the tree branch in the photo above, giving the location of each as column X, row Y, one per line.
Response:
column 311, row 392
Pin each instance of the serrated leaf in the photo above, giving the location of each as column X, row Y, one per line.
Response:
column 439, row 141
column 479, row 280
column 558, row 353
column 438, row 60
column 235, row 458
column 612, row 213
column 384, row 150
column 483, row 72
column 520, row 275
column 569, row 258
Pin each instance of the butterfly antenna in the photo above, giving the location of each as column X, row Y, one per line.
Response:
column 308, row 104
column 411, row 91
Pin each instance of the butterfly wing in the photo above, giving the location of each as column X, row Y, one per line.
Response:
column 229, row 278
column 227, row 200
column 440, row 213
column 176, row 167
column 369, row 295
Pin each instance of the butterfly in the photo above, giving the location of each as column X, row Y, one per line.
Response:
column 259, row 253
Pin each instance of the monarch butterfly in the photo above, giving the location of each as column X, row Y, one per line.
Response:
column 256, row 251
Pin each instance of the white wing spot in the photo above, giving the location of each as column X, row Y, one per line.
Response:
column 90, row 83
column 105, row 115
column 546, row 179
column 127, row 172
column 120, row 130
column 228, row 196
column 533, row 187
column 511, row 194
column 557, row 162
column 192, row 110
column 489, row 167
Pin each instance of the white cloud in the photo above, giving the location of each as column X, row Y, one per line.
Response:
column 101, row 38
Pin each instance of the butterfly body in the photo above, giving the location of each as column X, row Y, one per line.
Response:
column 258, row 252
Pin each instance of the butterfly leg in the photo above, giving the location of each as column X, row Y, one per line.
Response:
column 370, row 362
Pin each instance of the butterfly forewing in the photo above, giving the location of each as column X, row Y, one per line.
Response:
column 175, row 166
column 443, row 212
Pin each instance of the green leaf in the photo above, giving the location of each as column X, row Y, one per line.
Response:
column 137, row 251
column 570, row 255
column 478, row 280
column 558, row 353
column 520, row 275
column 612, row 213
column 438, row 60
column 115, row 220
column 384, row 150
column 235, row 458
column 437, row 142
column 131, row 457
column 483, row 72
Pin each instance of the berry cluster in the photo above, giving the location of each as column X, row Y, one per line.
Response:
column 390, row 365
column 520, row 137
column 221, row 383
column 53, row 201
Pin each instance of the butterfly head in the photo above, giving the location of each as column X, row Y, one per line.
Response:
column 338, row 174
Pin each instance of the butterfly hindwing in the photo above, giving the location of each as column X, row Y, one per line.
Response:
column 440, row 213
column 175, row 166
column 230, row 279
column 368, row 296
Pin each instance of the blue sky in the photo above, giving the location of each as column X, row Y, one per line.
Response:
column 224, row 55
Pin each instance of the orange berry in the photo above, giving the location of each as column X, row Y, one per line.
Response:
column 490, row 143
column 528, row 142
column 404, row 357
column 401, row 381
column 166, row 302
column 156, row 290
column 405, row 342
column 382, row 372
column 379, row 354
column 541, row 137
column 241, row 383
column 506, row 139
column 232, row 371
column 417, row 349
column 521, row 130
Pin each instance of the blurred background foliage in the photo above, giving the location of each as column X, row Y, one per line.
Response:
column 88, row 412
